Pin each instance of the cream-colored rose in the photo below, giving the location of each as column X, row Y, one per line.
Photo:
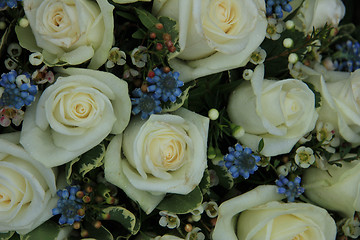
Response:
column 164, row 154
column 74, row 115
column 68, row 31
column 27, row 188
column 316, row 13
column 280, row 112
column 340, row 100
column 337, row 188
column 214, row 35
column 258, row 214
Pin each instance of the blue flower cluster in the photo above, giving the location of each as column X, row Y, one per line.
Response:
column 162, row 87
column 68, row 205
column 9, row 3
column 277, row 7
column 145, row 103
column 16, row 94
column 347, row 57
column 291, row 189
column 240, row 161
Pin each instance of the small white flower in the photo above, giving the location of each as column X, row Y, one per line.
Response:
column 130, row 72
column 274, row 28
column 139, row 56
column 282, row 170
column 247, row 74
column 351, row 228
column 20, row 79
column 10, row 64
column 169, row 220
column 198, row 211
column 195, row 234
column 211, row 209
column 258, row 56
column 36, row 58
column 324, row 132
column 304, row 157
column 116, row 57
column 14, row 50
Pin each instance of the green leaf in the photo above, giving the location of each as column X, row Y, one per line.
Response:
column 171, row 107
column 97, row 233
column 316, row 93
column 4, row 40
column 126, row 15
column 181, row 204
column 139, row 34
column 124, row 217
column 345, row 148
column 6, row 236
column 205, row 182
column 147, row 19
column 69, row 169
column 91, row 159
column 225, row 178
column 261, row 145
column 48, row 230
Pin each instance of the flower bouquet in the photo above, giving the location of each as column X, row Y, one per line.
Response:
column 169, row 119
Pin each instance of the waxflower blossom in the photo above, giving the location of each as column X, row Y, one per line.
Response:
column 36, row 58
column 351, row 227
column 195, row 234
column 347, row 58
column 165, row 85
column 14, row 50
column 139, row 56
column 68, row 205
column 169, row 220
column 274, row 28
column 10, row 115
column 42, row 76
column 211, row 209
column 247, row 74
column 324, row 132
column 18, row 90
column 144, row 103
column 240, row 161
column 304, row 157
column 10, row 64
column 258, row 56
column 276, row 7
column 291, row 189
column 116, row 57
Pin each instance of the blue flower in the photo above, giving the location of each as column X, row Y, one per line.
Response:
column 18, row 90
column 9, row 3
column 240, row 161
column 291, row 189
column 165, row 86
column 277, row 7
column 145, row 103
column 348, row 56
column 68, row 205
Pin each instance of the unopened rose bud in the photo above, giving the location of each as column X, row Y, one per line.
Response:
column 159, row 46
column 23, row 22
column 152, row 35
column 213, row 114
column 159, row 26
column 166, row 37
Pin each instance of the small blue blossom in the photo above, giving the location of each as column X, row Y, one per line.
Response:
column 145, row 103
column 240, row 161
column 18, row 90
column 291, row 189
column 165, row 86
column 277, row 7
column 68, row 205
column 9, row 3
column 347, row 57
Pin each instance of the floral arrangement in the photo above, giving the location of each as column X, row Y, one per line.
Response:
column 168, row 119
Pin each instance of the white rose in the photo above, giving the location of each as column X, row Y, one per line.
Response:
column 316, row 13
column 27, row 189
column 337, row 188
column 214, row 35
column 280, row 112
column 340, row 100
column 262, row 216
column 74, row 115
column 164, row 154
column 69, row 31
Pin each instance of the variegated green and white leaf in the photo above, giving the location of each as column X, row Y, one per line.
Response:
column 123, row 216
